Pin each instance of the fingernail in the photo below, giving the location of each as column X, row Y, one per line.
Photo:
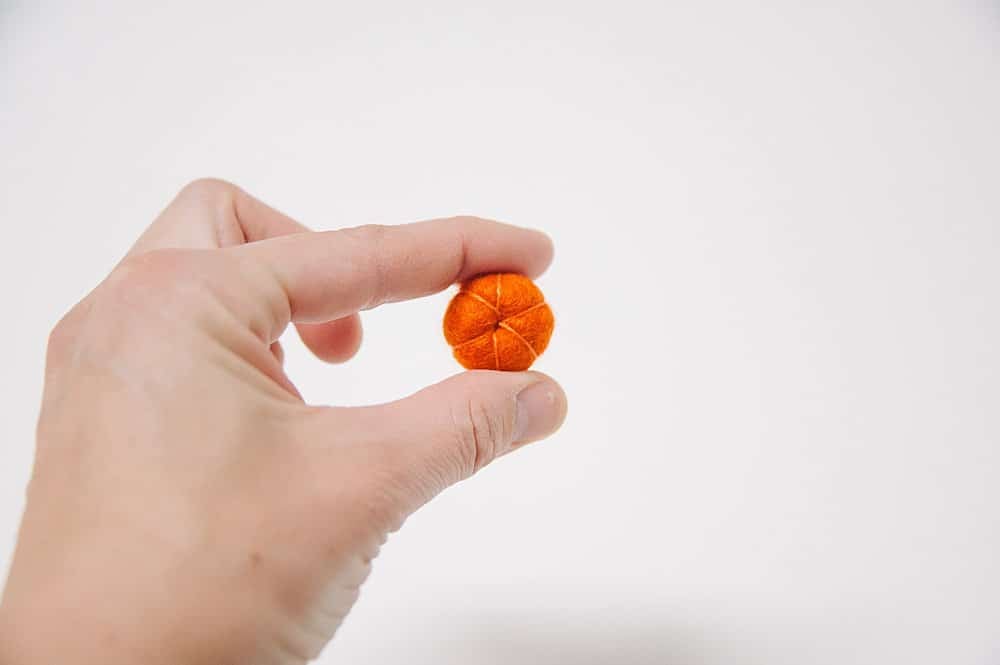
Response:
column 539, row 412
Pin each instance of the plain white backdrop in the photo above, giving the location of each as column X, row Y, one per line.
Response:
column 776, row 283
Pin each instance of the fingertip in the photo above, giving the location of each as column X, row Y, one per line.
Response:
column 540, row 403
column 537, row 251
column 541, row 410
column 547, row 250
column 448, row 431
column 528, row 250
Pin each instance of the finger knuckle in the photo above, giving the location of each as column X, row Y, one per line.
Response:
column 466, row 221
column 63, row 336
column 157, row 268
column 367, row 232
column 370, row 240
column 480, row 433
column 147, row 297
column 206, row 189
column 160, row 281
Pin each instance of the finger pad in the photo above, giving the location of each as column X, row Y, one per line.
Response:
column 334, row 341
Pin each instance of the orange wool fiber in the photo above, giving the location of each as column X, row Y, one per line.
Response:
column 498, row 321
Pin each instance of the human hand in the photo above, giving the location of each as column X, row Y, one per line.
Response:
column 186, row 505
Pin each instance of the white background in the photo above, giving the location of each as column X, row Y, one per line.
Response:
column 776, row 277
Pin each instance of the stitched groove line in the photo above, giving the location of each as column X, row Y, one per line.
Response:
column 525, row 311
column 517, row 335
column 501, row 324
column 496, row 349
column 476, row 296
column 474, row 339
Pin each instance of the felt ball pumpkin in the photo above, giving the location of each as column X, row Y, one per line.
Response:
column 498, row 321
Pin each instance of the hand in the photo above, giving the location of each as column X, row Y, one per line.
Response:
column 186, row 506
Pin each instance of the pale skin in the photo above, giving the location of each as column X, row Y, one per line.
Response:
column 186, row 506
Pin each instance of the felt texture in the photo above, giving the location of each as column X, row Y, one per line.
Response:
column 498, row 321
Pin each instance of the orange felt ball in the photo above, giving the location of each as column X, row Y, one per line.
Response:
column 498, row 321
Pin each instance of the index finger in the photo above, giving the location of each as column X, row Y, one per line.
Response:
column 332, row 274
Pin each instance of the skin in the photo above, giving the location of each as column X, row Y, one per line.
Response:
column 186, row 506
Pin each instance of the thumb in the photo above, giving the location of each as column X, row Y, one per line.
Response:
column 447, row 432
